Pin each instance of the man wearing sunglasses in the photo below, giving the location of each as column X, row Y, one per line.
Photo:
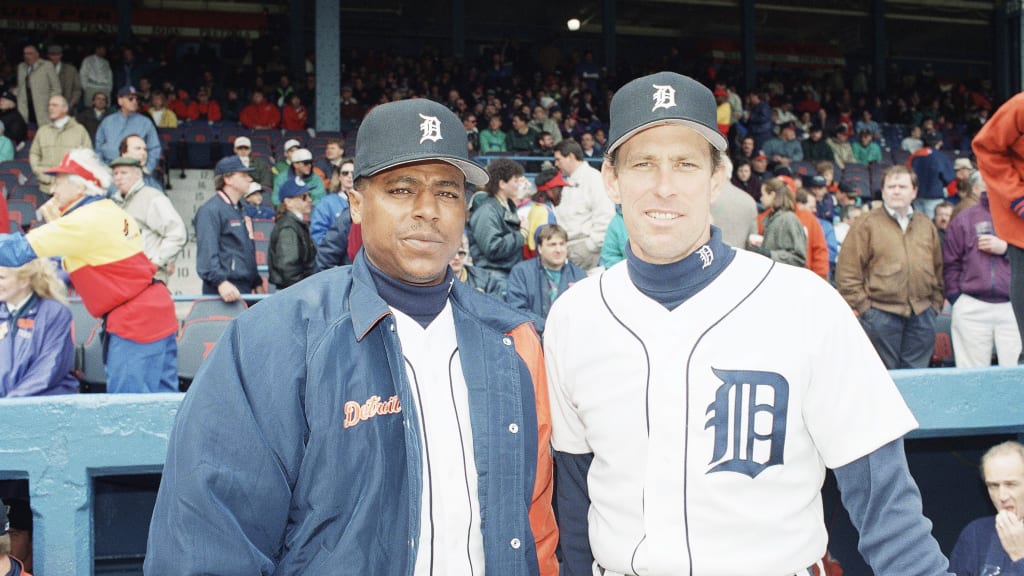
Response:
column 261, row 171
column 116, row 127
column 334, row 205
column 301, row 167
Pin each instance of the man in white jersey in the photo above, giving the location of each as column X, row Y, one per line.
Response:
column 378, row 418
column 691, row 432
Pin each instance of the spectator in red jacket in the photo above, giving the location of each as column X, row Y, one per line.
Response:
column 203, row 108
column 295, row 114
column 260, row 114
column 178, row 102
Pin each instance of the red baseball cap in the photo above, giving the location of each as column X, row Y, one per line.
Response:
column 69, row 166
column 555, row 182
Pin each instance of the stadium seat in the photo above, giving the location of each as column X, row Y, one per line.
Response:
column 802, row 167
column 82, row 323
column 195, row 342
column 20, row 166
column 261, row 251
column 8, row 180
column 942, row 355
column 198, row 142
column 92, row 373
column 29, row 193
column 215, row 308
column 23, row 211
column 261, row 229
column 900, row 156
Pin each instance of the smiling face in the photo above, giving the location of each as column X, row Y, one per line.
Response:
column 412, row 219
column 665, row 180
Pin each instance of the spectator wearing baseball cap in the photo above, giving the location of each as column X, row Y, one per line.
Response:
column 254, row 206
column 390, row 358
column 163, row 231
column 816, row 147
column 118, row 126
column 262, row 172
column 15, row 127
column 103, row 252
column 225, row 251
column 301, row 167
column 289, row 146
column 292, row 251
column 842, row 150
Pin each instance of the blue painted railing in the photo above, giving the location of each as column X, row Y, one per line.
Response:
column 60, row 444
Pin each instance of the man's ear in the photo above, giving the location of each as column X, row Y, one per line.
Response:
column 355, row 202
column 611, row 182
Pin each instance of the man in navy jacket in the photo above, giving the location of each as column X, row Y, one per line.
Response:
column 534, row 284
column 379, row 418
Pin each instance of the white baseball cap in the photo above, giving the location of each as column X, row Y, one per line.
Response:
column 243, row 141
column 289, row 144
column 302, row 155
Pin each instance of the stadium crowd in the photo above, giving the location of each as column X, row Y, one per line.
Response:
column 815, row 160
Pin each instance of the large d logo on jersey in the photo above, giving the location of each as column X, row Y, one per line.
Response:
column 749, row 419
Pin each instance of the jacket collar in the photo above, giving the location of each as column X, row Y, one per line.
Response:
column 367, row 307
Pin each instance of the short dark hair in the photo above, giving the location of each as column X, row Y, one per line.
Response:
column 502, row 170
column 338, row 141
column 569, row 147
column 124, row 143
column 522, row 117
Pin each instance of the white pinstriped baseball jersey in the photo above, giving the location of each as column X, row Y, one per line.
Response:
column 711, row 424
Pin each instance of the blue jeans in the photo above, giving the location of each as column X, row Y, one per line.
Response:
column 901, row 342
column 140, row 368
column 927, row 206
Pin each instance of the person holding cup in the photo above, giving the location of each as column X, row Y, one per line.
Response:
column 976, row 274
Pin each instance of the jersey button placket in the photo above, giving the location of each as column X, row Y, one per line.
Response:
column 513, row 428
column 515, row 543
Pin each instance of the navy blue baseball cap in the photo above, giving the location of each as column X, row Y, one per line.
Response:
column 229, row 164
column 660, row 99
column 292, row 187
column 126, row 90
column 410, row 131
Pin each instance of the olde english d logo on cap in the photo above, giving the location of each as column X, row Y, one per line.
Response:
column 664, row 97
column 430, row 129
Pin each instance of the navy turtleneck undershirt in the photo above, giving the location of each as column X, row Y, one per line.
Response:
column 421, row 303
column 672, row 284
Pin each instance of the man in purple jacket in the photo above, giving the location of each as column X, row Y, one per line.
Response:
column 976, row 274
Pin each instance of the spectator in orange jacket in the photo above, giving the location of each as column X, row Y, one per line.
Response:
column 260, row 114
column 295, row 114
column 997, row 148
column 204, row 109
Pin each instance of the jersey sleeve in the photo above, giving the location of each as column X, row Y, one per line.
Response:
column 885, row 507
column 567, row 431
column 849, row 388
